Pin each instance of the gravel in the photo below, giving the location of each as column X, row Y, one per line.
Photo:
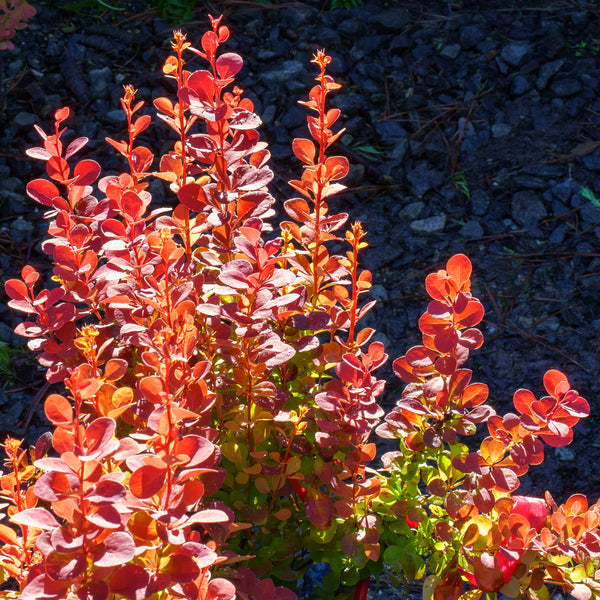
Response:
column 469, row 130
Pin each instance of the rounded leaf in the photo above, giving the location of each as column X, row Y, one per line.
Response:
column 147, row 481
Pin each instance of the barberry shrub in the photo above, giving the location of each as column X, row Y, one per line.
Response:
column 13, row 14
column 213, row 438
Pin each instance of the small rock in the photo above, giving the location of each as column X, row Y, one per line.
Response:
column 590, row 214
column 391, row 19
column 451, row 51
column 21, row 230
column 515, row 52
column 500, row 130
column 429, row 225
column 520, row 85
column 592, row 161
column 470, row 36
column 479, row 202
column 527, row 209
column 287, row 70
column 566, row 87
column 423, row 179
column 564, row 454
column 471, row 230
column 412, row 211
column 565, row 189
column 547, row 70
column 25, row 119
column 295, row 116
column 529, row 182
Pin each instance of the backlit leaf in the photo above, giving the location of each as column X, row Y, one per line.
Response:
column 147, row 481
column 229, row 64
column 117, row 549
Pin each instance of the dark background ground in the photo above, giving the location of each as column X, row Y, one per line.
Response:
column 471, row 127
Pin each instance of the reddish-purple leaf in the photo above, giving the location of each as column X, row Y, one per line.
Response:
column 35, row 517
column 182, row 568
column 86, row 171
column 130, row 581
column 118, row 548
column 75, row 146
column 42, row 191
column 105, row 517
column 229, row 65
column 193, row 197
column 244, row 119
column 220, row 589
column 62, row 566
column 98, row 436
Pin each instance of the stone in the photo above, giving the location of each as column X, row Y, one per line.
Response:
column 527, row 209
column 520, row 85
column 471, row 229
column 422, row 179
column 470, row 36
column 451, row 51
column 429, row 225
column 566, row 87
column 287, row 70
column 479, row 202
column 548, row 70
column 592, row 160
column 25, row 119
column 391, row 19
column 500, row 130
column 412, row 211
column 515, row 53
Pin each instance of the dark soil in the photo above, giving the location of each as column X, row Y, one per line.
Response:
column 471, row 127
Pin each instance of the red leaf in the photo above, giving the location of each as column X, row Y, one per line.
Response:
column 304, row 150
column 193, row 197
column 244, row 119
column 533, row 509
column 523, row 399
column 220, row 589
column 58, row 410
column 57, row 168
column 43, row 587
column 94, row 590
column 105, row 517
column 210, row 515
column 474, row 395
column 98, row 436
column 132, row 205
column 202, row 83
column 459, row 268
column 152, row 388
column 556, row 383
column 141, row 124
column 75, row 146
column 445, row 341
column 35, row 517
column 141, row 158
column 86, row 171
column 319, row 509
column 147, row 481
column 337, row 167
column 42, row 191
column 62, row 566
column 130, row 581
column 182, row 568
column 229, row 65
column 118, row 548
column 115, row 368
